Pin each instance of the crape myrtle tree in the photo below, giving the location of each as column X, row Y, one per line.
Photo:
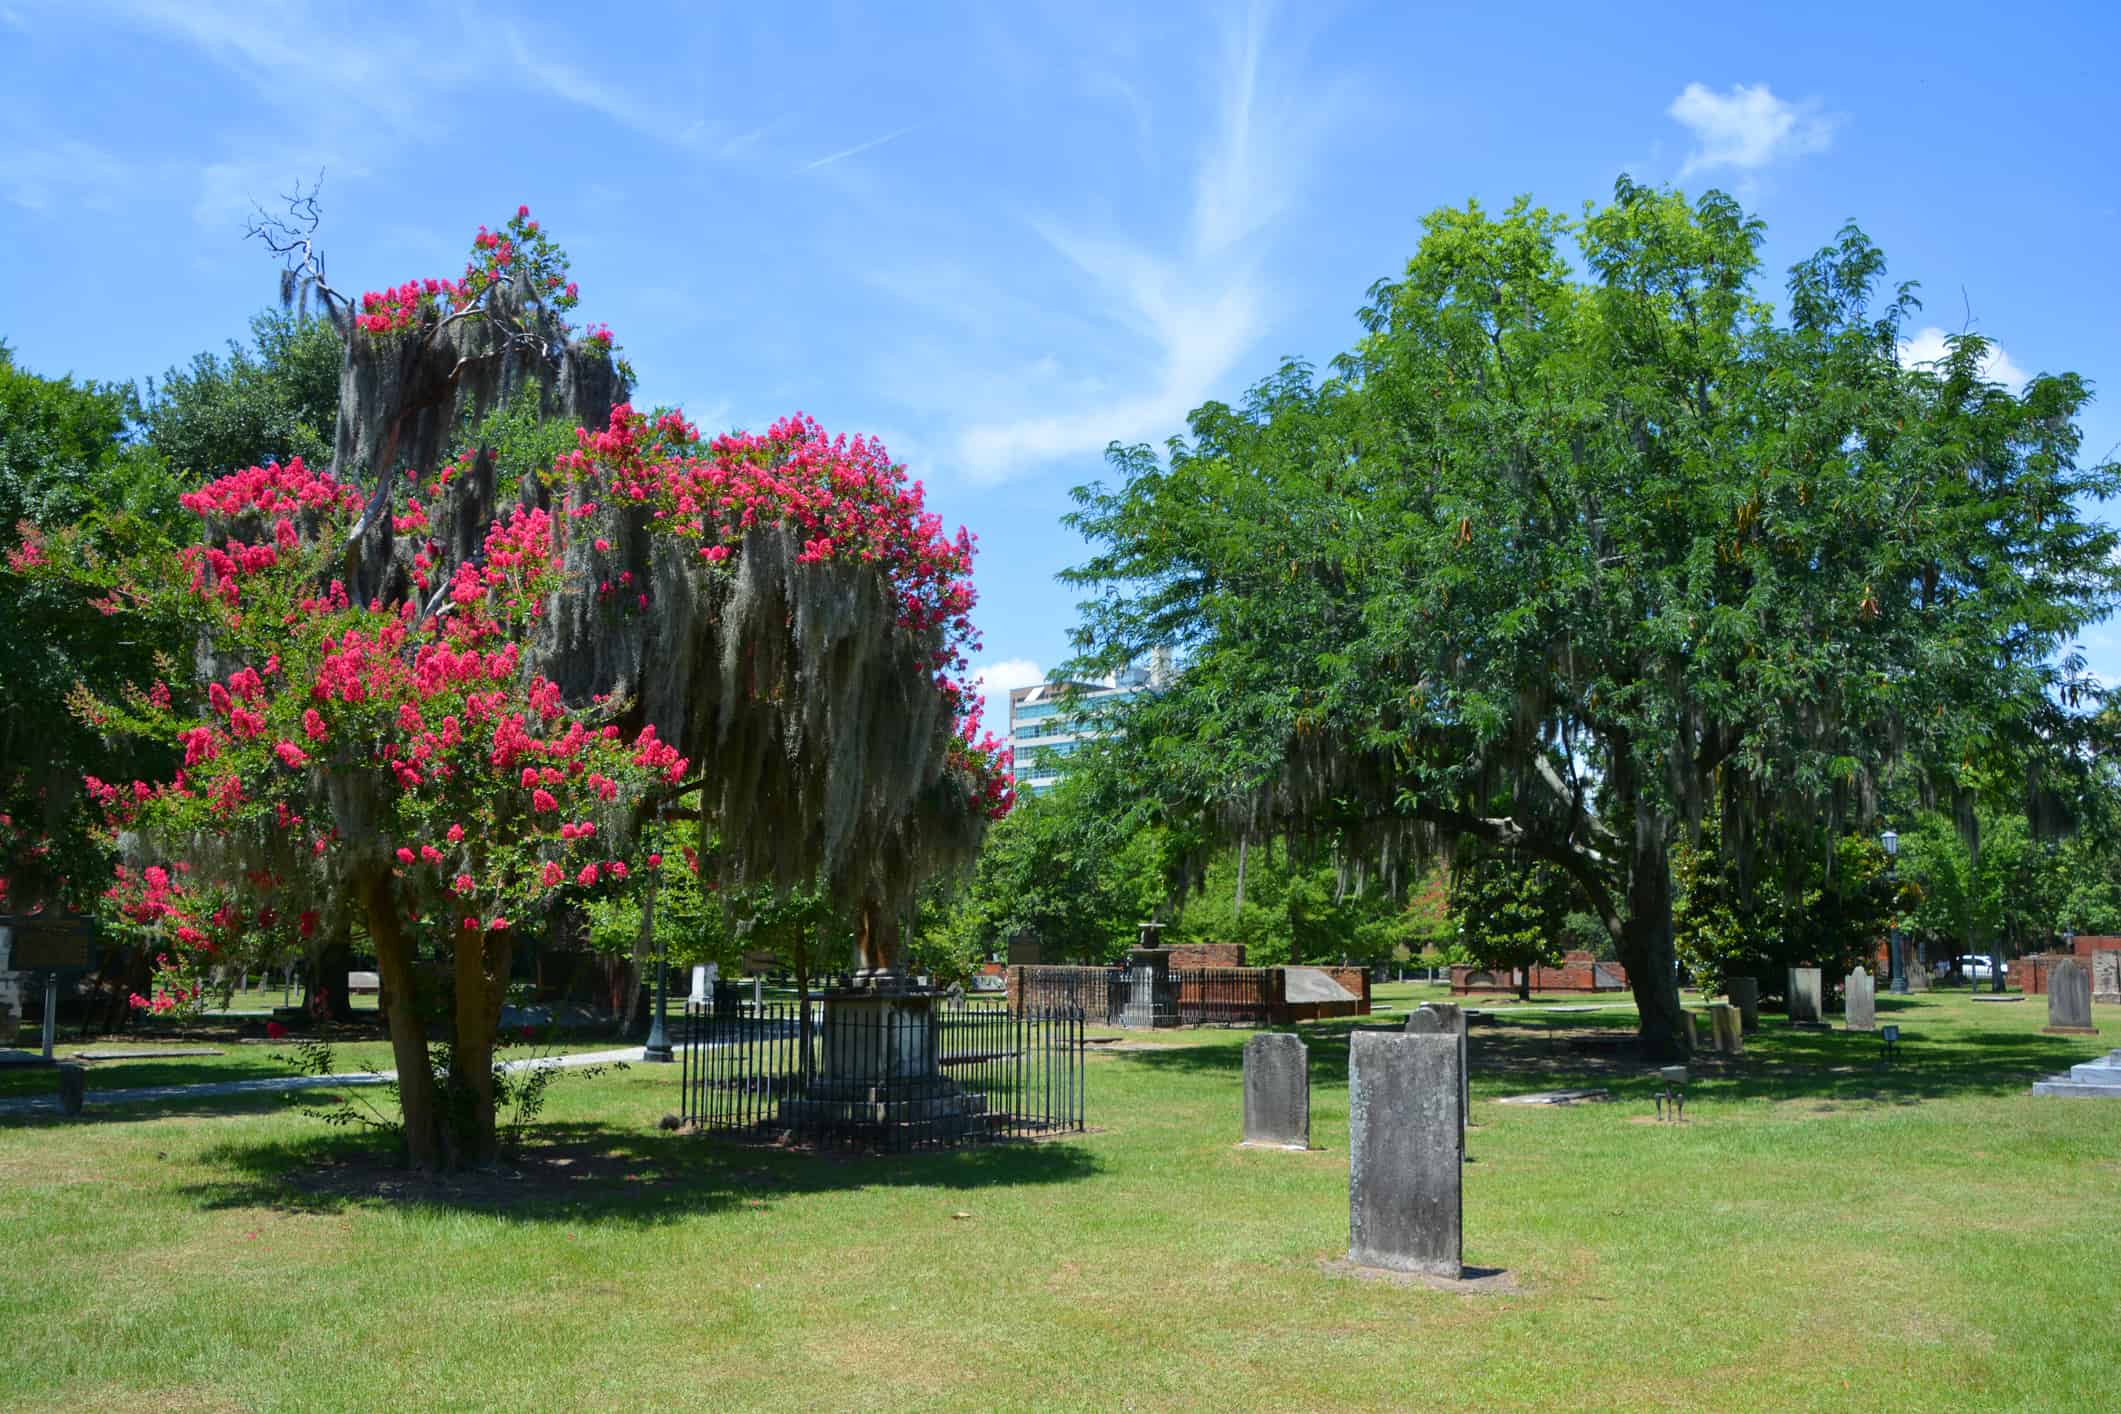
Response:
column 440, row 689
column 1564, row 557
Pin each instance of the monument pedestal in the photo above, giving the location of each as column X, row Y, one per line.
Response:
column 878, row 1078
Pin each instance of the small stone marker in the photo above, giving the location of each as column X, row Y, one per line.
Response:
column 1692, row 1022
column 1859, row 992
column 73, row 1088
column 1804, row 996
column 1405, row 1201
column 2106, row 977
column 1725, row 1026
column 1448, row 1019
column 2069, row 1001
column 1744, row 993
column 1278, row 1091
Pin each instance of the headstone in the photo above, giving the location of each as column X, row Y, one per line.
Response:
column 1692, row 1023
column 2069, row 1001
column 73, row 1088
column 2106, row 977
column 703, row 980
column 1804, row 996
column 1448, row 1019
column 1744, row 993
column 1859, row 994
column 1918, row 977
column 1405, row 1201
column 1727, row 1028
column 1278, row 1091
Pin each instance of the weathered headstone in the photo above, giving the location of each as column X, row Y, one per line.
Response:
column 73, row 1088
column 1448, row 1019
column 1804, row 996
column 1278, row 1091
column 1727, row 1028
column 2069, row 1001
column 1918, row 977
column 1859, row 994
column 1405, row 1201
column 1692, row 1022
column 2106, row 977
column 1744, row 993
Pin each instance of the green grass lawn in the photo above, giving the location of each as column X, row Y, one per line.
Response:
column 1820, row 1234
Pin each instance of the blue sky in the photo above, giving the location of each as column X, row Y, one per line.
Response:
column 1003, row 236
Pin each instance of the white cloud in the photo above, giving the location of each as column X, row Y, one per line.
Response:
column 1928, row 346
column 1188, row 313
column 1748, row 128
column 993, row 682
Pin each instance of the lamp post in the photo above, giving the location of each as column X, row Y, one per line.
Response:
column 657, row 1048
column 1896, row 956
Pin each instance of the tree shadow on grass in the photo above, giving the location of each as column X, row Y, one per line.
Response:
column 1527, row 1053
column 572, row 1173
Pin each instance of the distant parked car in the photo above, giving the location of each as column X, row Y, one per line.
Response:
column 1975, row 967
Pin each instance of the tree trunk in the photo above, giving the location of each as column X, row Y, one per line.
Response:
column 408, row 1036
column 1645, row 943
column 482, row 960
column 1524, row 983
column 328, row 997
column 1238, row 909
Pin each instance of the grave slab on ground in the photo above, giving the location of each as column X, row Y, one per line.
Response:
column 2093, row 1080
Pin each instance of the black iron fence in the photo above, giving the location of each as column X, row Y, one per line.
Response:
column 1225, row 996
column 882, row 1077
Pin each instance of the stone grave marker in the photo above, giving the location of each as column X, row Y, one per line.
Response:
column 2069, row 1001
column 1405, row 1198
column 1448, row 1019
column 73, row 1088
column 2106, row 977
column 1727, row 1029
column 1859, row 992
column 1918, row 976
column 1744, row 993
column 1804, row 996
column 1277, row 1091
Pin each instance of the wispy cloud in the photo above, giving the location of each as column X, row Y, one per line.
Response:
column 1189, row 309
column 828, row 159
column 34, row 178
column 1748, row 128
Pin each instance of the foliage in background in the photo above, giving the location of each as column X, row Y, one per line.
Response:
column 1829, row 908
column 273, row 400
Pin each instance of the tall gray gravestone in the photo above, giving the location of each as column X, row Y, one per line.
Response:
column 1405, row 1200
column 1804, row 996
column 1448, row 1019
column 2069, row 1001
column 1277, row 1091
column 2106, row 977
column 1859, row 994
column 1744, row 993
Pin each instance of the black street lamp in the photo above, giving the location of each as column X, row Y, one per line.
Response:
column 1895, row 951
column 657, row 1048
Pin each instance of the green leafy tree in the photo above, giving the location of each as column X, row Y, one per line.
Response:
column 271, row 400
column 1512, row 911
column 1575, row 546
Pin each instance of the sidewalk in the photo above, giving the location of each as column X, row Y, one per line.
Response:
column 37, row 1104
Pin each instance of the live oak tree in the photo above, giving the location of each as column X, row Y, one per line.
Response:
column 1565, row 556
column 443, row 685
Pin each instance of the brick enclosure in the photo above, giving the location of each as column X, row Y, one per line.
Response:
column 1577, row 972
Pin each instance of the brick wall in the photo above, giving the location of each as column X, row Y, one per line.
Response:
column 2089, row 943
column 1188, row 956
column 1576, row 972
column 2029, row 974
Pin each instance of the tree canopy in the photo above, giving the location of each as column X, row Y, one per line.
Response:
column 1576, row 548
